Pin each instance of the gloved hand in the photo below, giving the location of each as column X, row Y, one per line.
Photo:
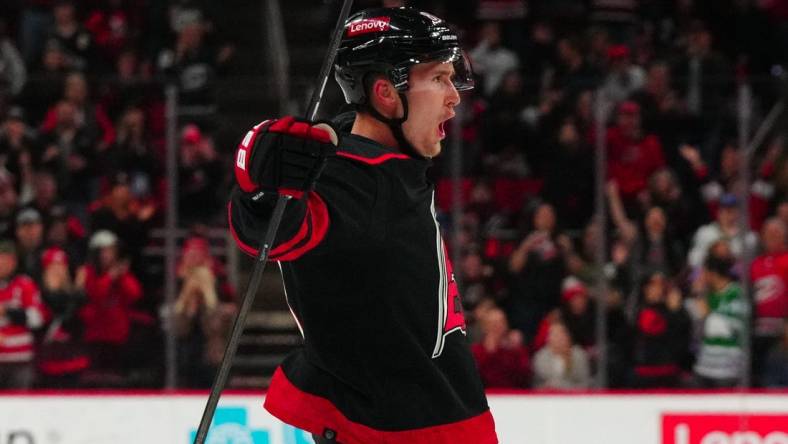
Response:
column 284, row 156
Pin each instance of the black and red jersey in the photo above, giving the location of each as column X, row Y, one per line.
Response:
column 769, row 273
column 23, row 312
column 367, row 277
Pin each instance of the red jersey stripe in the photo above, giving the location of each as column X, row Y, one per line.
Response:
column 372, row 160
column 314, row 414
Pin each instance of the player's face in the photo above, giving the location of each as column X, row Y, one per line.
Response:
column 431, row 101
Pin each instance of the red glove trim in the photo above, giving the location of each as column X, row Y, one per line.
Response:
column 243, row 156
column 304, row 130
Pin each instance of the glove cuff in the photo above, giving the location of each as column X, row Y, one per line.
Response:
column 243, row 157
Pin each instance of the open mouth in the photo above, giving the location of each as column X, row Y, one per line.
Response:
column 441, row 130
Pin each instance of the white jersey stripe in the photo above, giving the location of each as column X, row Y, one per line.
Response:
column 284, row 287
column 22, row 356
column 16, row 340
column 443, row 286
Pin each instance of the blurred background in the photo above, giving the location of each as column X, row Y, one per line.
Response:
column 614, row 193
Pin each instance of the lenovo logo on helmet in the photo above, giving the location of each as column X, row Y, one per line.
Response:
column 377, row 24
column 724, row 429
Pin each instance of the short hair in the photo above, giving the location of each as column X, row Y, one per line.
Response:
column 722, row 266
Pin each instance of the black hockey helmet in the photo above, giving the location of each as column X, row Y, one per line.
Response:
column 390, row 41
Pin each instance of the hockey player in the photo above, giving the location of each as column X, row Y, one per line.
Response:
column 366, row 274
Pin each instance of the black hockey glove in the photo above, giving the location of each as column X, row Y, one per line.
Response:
column 284, row 156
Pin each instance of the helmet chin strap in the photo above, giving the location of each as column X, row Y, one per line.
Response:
column 395, row 124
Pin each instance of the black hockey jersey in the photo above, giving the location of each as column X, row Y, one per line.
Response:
column 367, row 277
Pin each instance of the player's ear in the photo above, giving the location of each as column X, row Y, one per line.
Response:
column 384, row 96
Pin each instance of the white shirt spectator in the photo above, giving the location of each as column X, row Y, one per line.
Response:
column 711, row 233
column 559, row 364
column 491, row 60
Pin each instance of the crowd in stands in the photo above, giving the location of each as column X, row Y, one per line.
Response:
column 665, row 77
column 83, row 186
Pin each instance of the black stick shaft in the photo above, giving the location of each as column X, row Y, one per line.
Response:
column 257, row 273
column 317, row 94
column 240, row 321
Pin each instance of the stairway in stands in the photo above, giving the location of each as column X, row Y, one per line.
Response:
column 245, row 98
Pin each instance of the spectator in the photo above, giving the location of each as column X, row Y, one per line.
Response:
column 45, row 85
column 125, row 216
column 199, row 178
column 704, row 75
column 728, row 179
column 111, row 28
column 18, row 143
column 662, row 334
column 537, row 267
column 476, row 276
column 35, row 20
column 92, row 117
column 196, row 253
column 62, row 358
column 560, row 364
column 202, row 318
column 491, row 59
column 76, row 41
column 719, row 362
column 726, row 227
column 569, row 156
column 539, row 51
column 68, row 153
column 632, row 155
column 775, row 372
column 45, row 194
column 653, row 245
column 684, row 210
column 13, row 72
column 705, row 82
column 581, row 261
column 598, row 48
column 8, row 204
column 194, row 64
column 584, row 115
column 503, row 124
column 663, row 113
column 769, row 273
column 574, row 74
column 618, row 17
column 577, row 313
column 21, row 313
column 624, row 78
column 67, row 233
column 133, row 153
column 501, row 356
column 30, row 242
column 111, row 290
column 129, row 87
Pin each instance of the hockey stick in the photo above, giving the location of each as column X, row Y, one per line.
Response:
column 259, row 266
